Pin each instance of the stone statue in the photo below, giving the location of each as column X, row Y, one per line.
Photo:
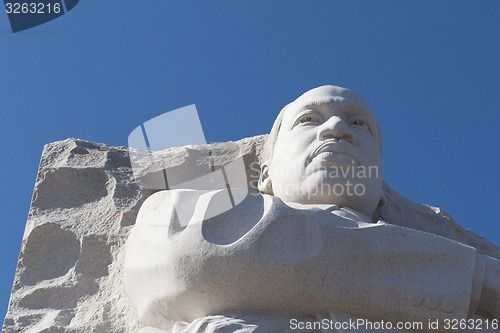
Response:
column 307, row 253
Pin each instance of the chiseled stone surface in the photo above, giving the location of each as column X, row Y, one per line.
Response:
column 85, row 202
column 69, row 275
column 310, row 245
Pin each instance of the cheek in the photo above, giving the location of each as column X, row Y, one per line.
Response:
column 285, row 148
column 370, row 150
column 297, row 142
column 372, row 160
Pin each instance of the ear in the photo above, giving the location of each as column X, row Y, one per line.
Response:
column 265, row 184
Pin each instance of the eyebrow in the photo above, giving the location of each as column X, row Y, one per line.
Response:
column 318, row 103
column 326, row 103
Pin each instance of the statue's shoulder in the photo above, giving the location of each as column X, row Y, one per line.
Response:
column 186, row 204
column 163, row 205
column 235, row 196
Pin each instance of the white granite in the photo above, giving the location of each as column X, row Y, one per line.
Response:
column 69, row 275
column 314, row 245
column 222, row 272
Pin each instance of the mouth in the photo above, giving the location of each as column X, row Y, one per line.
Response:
column 335, row 151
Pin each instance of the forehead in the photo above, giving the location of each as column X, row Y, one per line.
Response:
column 330, row 98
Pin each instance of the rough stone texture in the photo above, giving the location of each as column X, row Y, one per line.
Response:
column 85, row 201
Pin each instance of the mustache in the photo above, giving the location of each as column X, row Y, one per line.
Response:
column 339, row 146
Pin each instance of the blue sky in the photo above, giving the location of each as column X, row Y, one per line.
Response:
column 430, row 71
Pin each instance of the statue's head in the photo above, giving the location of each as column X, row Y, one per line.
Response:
column 325, row 148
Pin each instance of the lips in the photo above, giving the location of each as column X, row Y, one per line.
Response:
column 333, row 149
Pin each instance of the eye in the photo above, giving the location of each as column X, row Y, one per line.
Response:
column 306, row 119
column 363, row 124
column 358, row 122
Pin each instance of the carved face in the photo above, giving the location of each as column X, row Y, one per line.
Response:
column 328, row 151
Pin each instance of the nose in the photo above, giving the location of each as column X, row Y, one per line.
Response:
column 336, row 128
